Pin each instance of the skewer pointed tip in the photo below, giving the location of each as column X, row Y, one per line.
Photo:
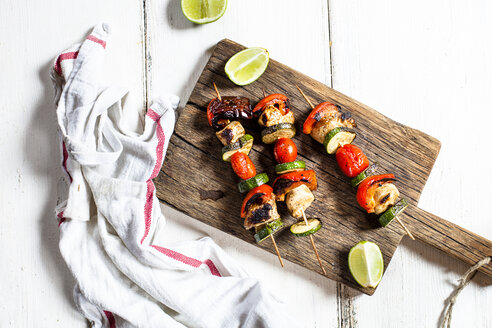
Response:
column 217, row 91
column 305, row 97
column 278, row 252
column 405, row 228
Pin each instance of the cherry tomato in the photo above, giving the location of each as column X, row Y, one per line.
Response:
column 277, row 99
column 321, row 110
column 285, row 150
column 365, row 192
column 264, row 189
column 351, row 160
column 242, row 165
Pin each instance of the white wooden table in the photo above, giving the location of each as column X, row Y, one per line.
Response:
column 427, row 64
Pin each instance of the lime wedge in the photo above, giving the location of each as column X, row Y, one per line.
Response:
column 203, row 11
column 366, row 264
column 247, row 65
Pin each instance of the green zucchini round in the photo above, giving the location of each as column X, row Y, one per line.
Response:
column 300, row 229
column 244, row 145
column 290, row 167
column 256, row 181
column 338, row 137
column 265, row 231
column 371, row 169
column 393, row 212
column 271, row 134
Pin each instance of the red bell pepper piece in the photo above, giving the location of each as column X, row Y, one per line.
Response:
column 264, row 190
column 276, row 99
column 288, row 181
column 321, row 110
column 365, row 192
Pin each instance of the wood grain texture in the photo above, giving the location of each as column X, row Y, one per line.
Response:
column 406, row 152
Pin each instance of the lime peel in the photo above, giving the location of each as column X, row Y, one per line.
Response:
column 203, row 11
column 247, row 65
column 366, row 264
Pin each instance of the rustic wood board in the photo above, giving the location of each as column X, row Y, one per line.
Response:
column 194, row 171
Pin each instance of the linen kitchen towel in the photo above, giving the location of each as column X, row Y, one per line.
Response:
column 111, row 216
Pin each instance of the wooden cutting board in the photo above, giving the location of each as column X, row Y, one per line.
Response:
column 196, row 181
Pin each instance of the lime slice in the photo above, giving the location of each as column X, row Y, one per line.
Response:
column 247, row 65
column 203, row 11
column 366, row 264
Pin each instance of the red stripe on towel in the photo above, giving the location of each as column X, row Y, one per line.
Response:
column 97, row 40
column 188, row 260
column 62, row 57
column 150, row 185
column 111, row 320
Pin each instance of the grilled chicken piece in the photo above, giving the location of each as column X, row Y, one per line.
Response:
column 328, row 123
column 384, row 197
column 231, row 133
column 298, row 200
column 261, row 210
column 273, row 116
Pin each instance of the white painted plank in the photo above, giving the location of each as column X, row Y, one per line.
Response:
column 36, row 286
column 426, row 64
column 293, row 34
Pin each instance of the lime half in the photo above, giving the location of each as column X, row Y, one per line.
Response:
column 203, row 11
column 247, row 65
column 366, row 264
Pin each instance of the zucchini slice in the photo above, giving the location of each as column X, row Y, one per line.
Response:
column 256, row 181
column 371, row 169
column 263, row 232
column 290, row 167
column 338, row 137
column 281, row 130
column 300, row 229
column 393, row 212
column 244, row 145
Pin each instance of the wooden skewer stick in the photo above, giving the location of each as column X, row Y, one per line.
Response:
column 276, row 249
column 217, row 91
column 264, row 93
column 405, row 228
column 305, row 97
column 314, row 246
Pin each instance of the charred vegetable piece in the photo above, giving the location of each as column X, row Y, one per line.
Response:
column 286, row 182
column 321, row 110
column 273, row 133
column 290, row 167
column 219, row 112
column 285, row 150
column 393, row 212
column 363, row 175
column 243, row 145
column 367, row 189
column 253, row 195
column 351, row 160
column 231, row 133
column 264, row 231
column 300, row 229
column 298, row 200
column 338, row 137
column 277, row 100
column 243, row 166
column 254, row 182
